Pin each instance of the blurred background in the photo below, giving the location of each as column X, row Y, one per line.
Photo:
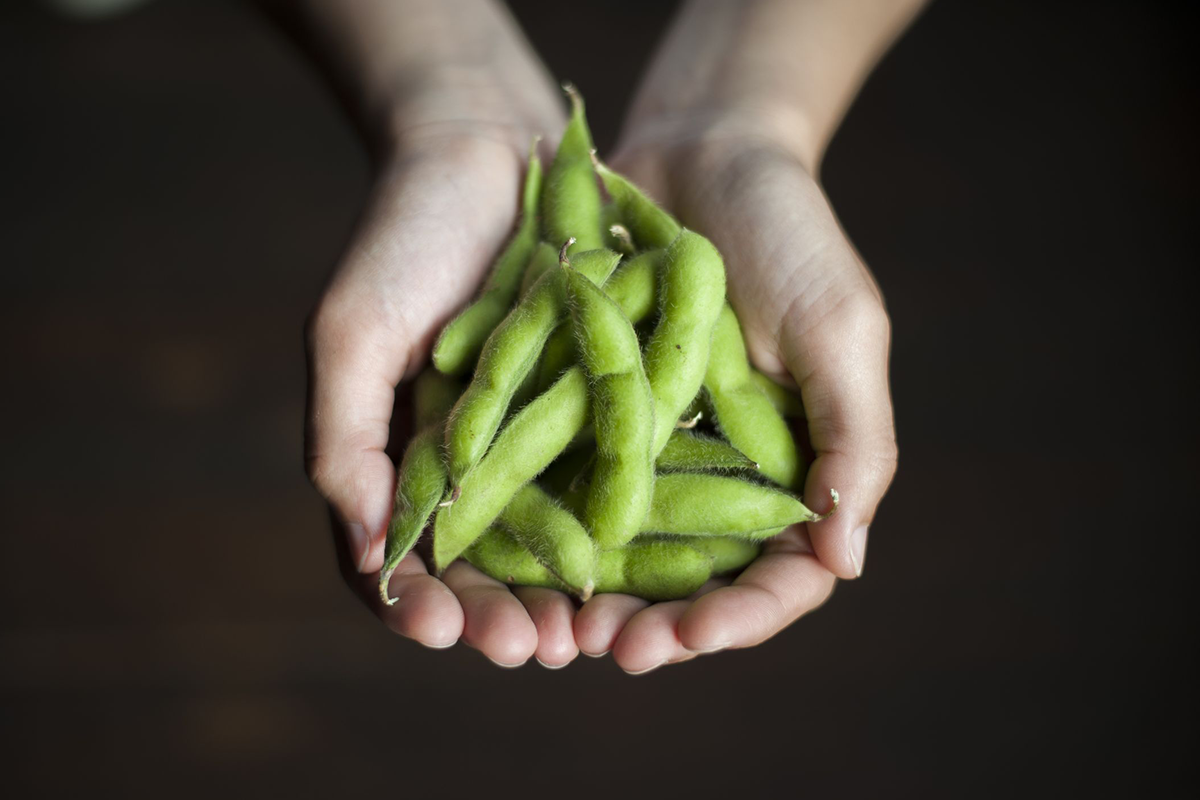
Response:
column 177, row 182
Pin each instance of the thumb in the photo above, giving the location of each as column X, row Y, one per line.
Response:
column 353, row 368
column 840, row 360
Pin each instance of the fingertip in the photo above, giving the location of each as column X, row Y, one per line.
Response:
column 425, row 610
column 600, row 620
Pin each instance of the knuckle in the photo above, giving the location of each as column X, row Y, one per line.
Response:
column 863, row 313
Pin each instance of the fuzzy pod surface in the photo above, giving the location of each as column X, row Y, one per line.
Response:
column 691, row 294
column 717, row 505
column 745, row 415
column 532, row 439
column 508, row 355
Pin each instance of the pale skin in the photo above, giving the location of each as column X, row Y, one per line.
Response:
column 727, row 130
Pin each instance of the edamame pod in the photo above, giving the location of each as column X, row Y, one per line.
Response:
column 420, row 485
column 571, row 197
column 508, row 355
column 650, row 225
column 622, row 414
column 433, row 396
column 691, row 294
column 715, row 505
column 459, row 344
column 653, row 570
column 631, row 287
column 554, row 536
column 787, row 403
column 727, row 552
column 692, row 452
column 744, row 413
column 529, row 442
column 498, row 555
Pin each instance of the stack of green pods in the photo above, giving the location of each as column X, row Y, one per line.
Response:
column 592, row 422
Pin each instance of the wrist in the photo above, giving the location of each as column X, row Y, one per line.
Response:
column 463, row 103
column 702, row 133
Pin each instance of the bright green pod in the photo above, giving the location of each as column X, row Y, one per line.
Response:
column 421, row 484
column 458, row 346
column 509, row 354
column 744, row 413
column 787, row 403
column 497, row 555
column 693, row 452
column 571, row 196
column 622, row 414
column 545, row 258
column 728, row 553
column 715, row 505
column 631, row 287
column 433, row 396
column 653, row 569
column 554, row 536
column 532, row 439
column 650, row 225
column 690, row 297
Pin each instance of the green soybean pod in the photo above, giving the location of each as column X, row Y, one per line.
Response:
column 459, row 344
column 692, row 452
column 622, row 414
column 533, row 438
column 496, row 554
column 715, row 505
column 571, row 196
column 545, row 258
column 653, row 570
column 554, row 536
column 631, row 287
column 691, row 294
column 744, row 413
column 420, row 485
column 650, row 225
column 434, row 394
column 728, row 553
column 508, row 355
column 787, row 403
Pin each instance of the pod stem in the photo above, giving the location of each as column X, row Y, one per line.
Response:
column 563, row 261
column 587, row 592
column 623, row 237
column 455, row 493
column 385, row 578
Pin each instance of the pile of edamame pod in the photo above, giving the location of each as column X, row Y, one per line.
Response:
column 561, row 431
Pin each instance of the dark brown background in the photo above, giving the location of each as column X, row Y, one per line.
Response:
column 176, row 184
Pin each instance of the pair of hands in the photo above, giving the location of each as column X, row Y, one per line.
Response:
column 443, row 205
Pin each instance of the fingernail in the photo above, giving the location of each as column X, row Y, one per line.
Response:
column 647, row 669
column 858, row 549
column 439, row 646
column 505, row 666
column 550, row 666
column 357, row 535
column 714, row 648
column 595, row 655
